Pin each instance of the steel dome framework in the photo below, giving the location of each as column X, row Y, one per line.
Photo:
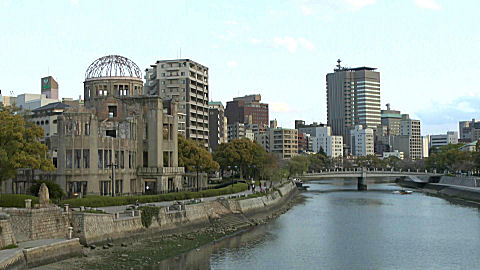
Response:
column 113, row 66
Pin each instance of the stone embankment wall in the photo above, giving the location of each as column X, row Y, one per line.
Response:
column 52, row 253
column 6, row 232
column 34, row 224
column 448, row 186
column 14, row 261
column 460, row 181
column 93, row 228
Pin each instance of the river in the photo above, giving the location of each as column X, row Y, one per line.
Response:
column 337, row 227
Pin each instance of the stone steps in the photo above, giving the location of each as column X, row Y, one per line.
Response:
column 238, row 221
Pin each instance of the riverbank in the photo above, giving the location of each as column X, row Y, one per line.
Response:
column 452, row 188
column 148, row 248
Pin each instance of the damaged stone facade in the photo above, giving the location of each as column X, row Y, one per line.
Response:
column 117, row 131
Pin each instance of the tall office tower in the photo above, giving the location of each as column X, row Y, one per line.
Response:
column 49, row 87
column 247, row 110
column 185, row 81
column 217, row 124
column 353, row 98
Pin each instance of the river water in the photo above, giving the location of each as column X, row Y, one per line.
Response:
column 337, row 227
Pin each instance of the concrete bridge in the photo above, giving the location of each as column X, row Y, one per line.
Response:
column 361, row 174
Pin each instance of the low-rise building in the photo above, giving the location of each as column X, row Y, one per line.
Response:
column 394, row 154
column 443, row 139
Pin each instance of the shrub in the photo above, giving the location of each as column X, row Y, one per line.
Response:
column 148, row 212
column 101, row 201
column 16, row 200
column 54, row 190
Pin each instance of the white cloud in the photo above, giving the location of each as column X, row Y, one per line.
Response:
column 306, row 10
column 428, row 4
column 291, row 43
column 230, row 22
column 255, row 40
column 306, row 43
column 231, row 64
column 357, row 4
column 74, row 2
column 280, row 107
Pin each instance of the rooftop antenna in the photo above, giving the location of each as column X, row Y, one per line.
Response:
column 180, row 53
column 338, row 64
column 388, row 106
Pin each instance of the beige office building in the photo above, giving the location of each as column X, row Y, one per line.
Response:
column 353, row 98
column 185, row 81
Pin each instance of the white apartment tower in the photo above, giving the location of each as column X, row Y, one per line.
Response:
column 185, row 81
column 362, row 141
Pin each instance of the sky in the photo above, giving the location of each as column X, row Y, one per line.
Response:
column 427, row 51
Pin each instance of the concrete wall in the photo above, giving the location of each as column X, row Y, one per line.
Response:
column 93, row 228
column 33, row 224
column 14, row 260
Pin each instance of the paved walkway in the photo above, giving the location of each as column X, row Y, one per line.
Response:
column 121, row 208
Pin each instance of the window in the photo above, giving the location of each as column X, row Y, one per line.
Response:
column 112, row 111
column 145, row 159
column 100, row 159
column 106, row 159
column 183, row 89
column 111, row 133
column 163, row 82
column 182, row 73
column 163, row 74
column 46, row 122
column 163, row 90
column 183, row 81
column 87, row 129
column 55, row 121
column 77, row 158
column 122, row 159
column 55, row 162
column 129, row 159
column 118, row 186
column 116, row 158
column 68, row 163
column 86, row 158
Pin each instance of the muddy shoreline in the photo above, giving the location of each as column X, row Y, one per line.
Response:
column 148, row 250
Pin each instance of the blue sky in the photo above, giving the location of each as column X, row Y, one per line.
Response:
column 426, row 50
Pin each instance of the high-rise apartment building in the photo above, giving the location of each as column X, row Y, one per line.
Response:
column 185, row 81
column 247, row 110
column 217, row 124
column 353, row 98
column 410, row 140
column 361, row 141
column 331, row 145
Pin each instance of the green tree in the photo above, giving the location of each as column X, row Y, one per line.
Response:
column 318, row 161
column 194, row 157
column 297, row 165
column 20, row 145
column 249, row 157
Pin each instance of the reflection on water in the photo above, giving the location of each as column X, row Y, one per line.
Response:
column 339, row 228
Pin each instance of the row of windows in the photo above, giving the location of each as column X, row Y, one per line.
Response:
column 79, row 158
column 46, row 122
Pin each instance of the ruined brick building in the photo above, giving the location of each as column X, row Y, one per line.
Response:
column 117, row 125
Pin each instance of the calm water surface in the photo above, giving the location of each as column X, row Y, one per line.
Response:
column 339, row 228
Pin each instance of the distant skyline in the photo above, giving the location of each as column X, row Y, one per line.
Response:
column 425, row 50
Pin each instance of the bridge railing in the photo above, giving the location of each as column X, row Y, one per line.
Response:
column 372, row 171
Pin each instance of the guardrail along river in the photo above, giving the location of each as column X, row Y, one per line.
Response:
column 337, row 227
